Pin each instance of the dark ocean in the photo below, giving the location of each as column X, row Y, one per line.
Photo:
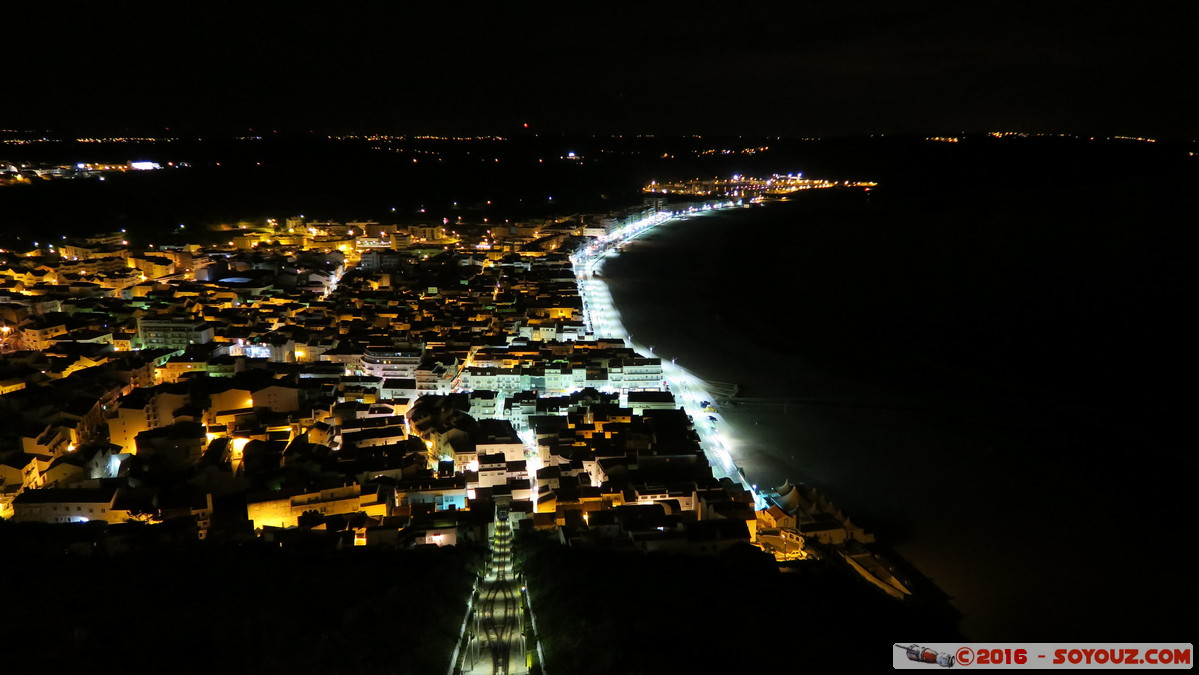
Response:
column 988, row 371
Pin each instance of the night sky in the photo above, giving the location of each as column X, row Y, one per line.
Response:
column 802, row 69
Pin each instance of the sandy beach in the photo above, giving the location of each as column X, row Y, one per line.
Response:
column 973, row 497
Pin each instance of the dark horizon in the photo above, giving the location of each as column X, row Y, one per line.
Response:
column 281, row 175
column 922, row 68
column 72, row 130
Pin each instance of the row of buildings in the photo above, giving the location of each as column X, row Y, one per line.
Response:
column 252, row 389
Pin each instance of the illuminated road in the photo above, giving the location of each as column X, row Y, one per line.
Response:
column 497, row 645
column 603, row 320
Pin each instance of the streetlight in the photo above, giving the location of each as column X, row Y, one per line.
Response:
column 6, row 334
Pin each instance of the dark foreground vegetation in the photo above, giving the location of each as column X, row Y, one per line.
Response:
column 229, row 608
column 622, row 612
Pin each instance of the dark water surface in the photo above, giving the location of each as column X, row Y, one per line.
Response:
column 985, row 384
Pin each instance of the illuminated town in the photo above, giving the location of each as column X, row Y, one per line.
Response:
column 384, row 386
column 750, row 189
column 415, row 405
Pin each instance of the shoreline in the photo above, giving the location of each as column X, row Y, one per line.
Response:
column 982, row 500
column 776, row 442
column 736, row 450
column 603, row 318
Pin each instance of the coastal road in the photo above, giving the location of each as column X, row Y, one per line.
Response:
column 603, row 320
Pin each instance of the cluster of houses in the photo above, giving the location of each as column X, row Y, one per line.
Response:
column 390, row 387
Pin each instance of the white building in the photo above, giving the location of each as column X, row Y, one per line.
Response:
column 391, row 363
